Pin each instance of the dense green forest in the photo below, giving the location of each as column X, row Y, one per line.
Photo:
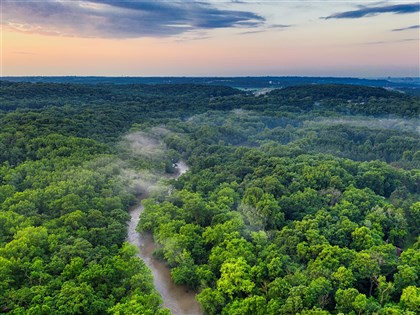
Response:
column 304, row 200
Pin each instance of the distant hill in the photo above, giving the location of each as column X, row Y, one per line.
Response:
column 350, row 99
column 194, row 98
column 340, row 91
column 406, row 84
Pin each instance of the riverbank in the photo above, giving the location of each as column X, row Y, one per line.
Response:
column 178, row 299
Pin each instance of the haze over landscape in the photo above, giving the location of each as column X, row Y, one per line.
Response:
column 210, row 38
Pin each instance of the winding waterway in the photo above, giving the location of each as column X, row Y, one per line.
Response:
column 178, row 299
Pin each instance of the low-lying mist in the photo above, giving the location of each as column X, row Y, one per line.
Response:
column 146, row 159
column 407, row 125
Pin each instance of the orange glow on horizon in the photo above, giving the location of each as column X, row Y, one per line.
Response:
column 344, row 50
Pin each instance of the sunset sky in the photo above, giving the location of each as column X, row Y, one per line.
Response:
column 210, row 38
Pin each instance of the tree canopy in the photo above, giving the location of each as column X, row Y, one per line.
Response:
column 305, row 200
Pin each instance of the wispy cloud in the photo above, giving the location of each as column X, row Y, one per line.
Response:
column 121, row 19
column 365, row 11
column 279, row 26
column 413, row 27
column 192, row 36
column 251, row 32
column 391, row 41
column 266, row 28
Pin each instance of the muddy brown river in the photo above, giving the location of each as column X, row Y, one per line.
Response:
column 178, row 299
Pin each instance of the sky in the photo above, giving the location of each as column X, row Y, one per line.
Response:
column 210, row 38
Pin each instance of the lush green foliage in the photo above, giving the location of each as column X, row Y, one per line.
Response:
column 260, row 226
column 62, row 227
column 352, row 99
column 291, row 204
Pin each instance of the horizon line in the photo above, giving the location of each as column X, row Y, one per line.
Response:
column 203, row 76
